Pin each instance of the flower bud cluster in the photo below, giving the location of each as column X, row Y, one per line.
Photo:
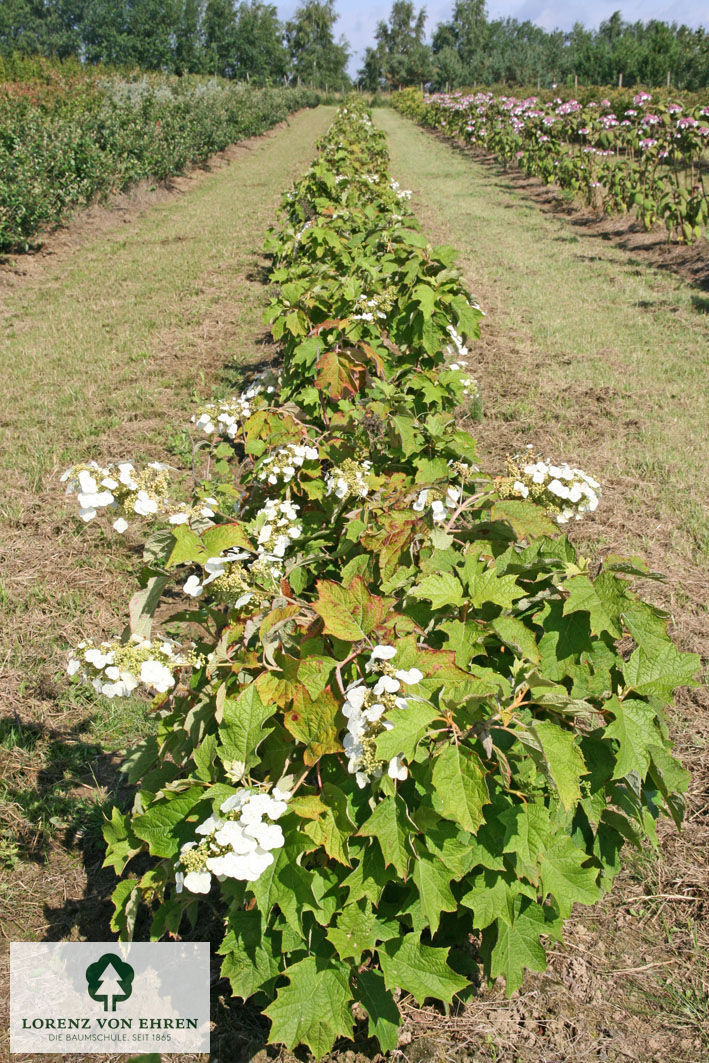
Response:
column 116, row 669
column 350, row 478
column 120, row 488
column 283, row 464
column 365, row 710
column 438, row 503
column 566, row 491
column 227, row 576
column 238, row 843
column 225, row 418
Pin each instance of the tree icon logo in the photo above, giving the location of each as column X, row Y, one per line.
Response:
column 110, row 979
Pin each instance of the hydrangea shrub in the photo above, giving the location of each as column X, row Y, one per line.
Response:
column 405, row 741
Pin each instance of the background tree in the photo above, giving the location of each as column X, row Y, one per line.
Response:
column 219, row 30
column 131, row 33
column 315, row 57
column 401, row 56
column 189, row 55
column 260, row 53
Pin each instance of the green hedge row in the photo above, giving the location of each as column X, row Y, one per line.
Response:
column 61, row 149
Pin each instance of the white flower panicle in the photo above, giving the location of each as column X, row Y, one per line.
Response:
column 399, row 192
column 350, row 478
column 237, row 843
column 203, row 510
column 236, row 578
column 278, row 526
column 225, row 418
column 282, row 465
column 566, row 491
column 437, row 502
column 116, row 669
column 365, row 710
column 119, row 488
column 456, row 348
column 373, row 307
column 468, row 383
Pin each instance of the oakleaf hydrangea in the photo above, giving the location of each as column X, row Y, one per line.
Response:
column 117, row 669
column 237, row 843
column 365, row 710
column 567, row 492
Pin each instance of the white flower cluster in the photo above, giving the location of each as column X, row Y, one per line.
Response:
column 469, row 383
column 350, row 478
column 365, row 708
column 116, row 669
column 456, row 347
column 400, row 193
column 225, row 418
column 568, row 491
column 118, row 487
column 238, row 844
column 279, row 524
column 283, row 464
column 223, row 568
column 371, row 308
column 185, row 514
column 439, row 506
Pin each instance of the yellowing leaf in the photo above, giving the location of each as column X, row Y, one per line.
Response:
column 351, row 612
column 312, row 721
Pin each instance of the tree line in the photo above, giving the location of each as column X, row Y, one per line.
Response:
column 245, row 40
column 472, row 49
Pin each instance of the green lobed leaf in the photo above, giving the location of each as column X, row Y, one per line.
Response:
column 314, row 1009
column 518, row 946
column 564, row 760
column 242, row 728
column 389, row 824
column 432, row 880
column 410, row 724
column 157, row 825
column 419, row 969
column 565, row 878
column 383, row 1015
column 441, row 589
column 460, row 787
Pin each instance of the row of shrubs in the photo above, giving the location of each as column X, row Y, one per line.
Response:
column 64, row 145
column 404, row 741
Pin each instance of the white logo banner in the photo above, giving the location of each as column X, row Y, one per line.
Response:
column 129, row 998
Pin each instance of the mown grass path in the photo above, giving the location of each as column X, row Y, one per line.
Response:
column 598, row 359
column 101, row 355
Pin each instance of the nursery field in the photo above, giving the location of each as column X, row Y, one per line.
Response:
column 397, row 543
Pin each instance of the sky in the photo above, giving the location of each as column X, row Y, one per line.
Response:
column 358, row 18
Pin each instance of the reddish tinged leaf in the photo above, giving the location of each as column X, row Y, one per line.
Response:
column 280, row 686
column 277, row 616
column 313, row 722
column 351, row 612
column 336, row 375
